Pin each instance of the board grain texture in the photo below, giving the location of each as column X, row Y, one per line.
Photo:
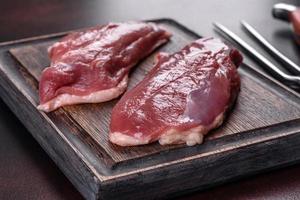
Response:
column 262, row 131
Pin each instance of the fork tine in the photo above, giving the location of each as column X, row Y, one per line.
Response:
column 289, row 79
column 293, row 67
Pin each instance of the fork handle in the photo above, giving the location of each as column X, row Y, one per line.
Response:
column 282, row 11
column 290, row 14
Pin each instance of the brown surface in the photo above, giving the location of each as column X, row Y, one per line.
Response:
column 252, row 111
column 44, row 21
column 26, row 172
column 257, row 107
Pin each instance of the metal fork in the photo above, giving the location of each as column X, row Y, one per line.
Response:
column 288, row 79
column 289, row 64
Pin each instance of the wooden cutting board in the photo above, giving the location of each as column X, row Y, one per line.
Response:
column 262, row 132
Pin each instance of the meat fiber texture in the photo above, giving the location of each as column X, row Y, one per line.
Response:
column 92, row 66
column 181, row 99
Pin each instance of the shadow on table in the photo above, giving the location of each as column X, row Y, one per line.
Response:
column 26, row 171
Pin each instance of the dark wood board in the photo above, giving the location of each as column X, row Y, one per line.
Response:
column 262, row 132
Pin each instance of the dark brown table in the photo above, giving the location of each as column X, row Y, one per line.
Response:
column 26, row 172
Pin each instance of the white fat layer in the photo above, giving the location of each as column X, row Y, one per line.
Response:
column 95, row 97
column 126, row 140
column 191, row 136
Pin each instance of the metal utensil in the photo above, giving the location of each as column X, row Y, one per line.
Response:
column 290, row 65
column 282, row 10
column 288, row 79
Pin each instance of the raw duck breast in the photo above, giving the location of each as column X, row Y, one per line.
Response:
column 92, row 66
column 184, row 96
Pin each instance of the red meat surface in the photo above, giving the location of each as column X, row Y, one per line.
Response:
column 184, row 96
column 92, row 66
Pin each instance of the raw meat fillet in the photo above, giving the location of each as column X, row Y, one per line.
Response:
column 92, row 66
column 184, row 96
